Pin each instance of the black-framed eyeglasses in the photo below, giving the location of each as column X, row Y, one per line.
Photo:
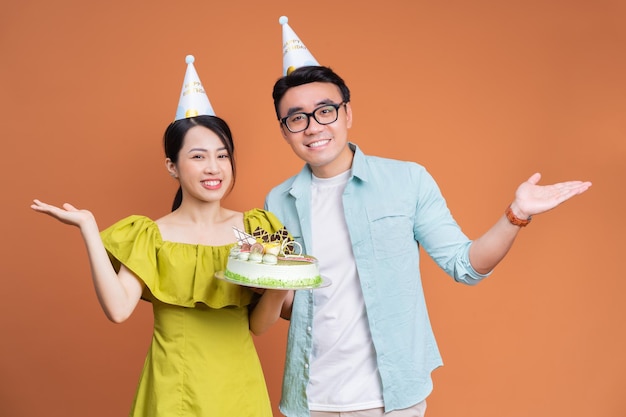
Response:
column 324, row 115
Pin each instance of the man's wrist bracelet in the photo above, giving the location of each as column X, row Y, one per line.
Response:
column 516, row 220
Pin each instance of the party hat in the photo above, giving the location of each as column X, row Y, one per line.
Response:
column 193, row 100
column 295, row 53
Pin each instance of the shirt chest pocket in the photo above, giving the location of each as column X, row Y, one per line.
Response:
column 391, row 230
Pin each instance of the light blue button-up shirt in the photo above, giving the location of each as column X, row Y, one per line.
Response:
column 391, row 208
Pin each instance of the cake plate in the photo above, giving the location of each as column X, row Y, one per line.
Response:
column 325, row 283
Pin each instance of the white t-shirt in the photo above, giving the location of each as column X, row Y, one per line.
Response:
column 343, row 371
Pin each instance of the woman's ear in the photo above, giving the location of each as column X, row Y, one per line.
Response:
column 171, row 167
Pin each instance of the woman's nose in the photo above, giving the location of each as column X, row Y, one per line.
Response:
column 211, row 165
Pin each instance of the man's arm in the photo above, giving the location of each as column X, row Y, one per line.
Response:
column 530, row 199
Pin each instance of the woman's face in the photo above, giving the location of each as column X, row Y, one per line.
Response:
column 204, row 166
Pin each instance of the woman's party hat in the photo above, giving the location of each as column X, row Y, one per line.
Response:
column 193, row 100
column 295, row 53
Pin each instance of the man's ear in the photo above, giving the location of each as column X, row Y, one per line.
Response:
column 171, row 167
column 348, row 115
column 283, row 130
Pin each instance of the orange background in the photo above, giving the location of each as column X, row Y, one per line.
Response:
column 483, row 93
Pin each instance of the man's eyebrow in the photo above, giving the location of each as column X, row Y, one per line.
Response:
column 293, row 110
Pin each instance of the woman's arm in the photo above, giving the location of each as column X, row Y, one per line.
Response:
column 118, row 294
column 269, row 309
column 285, row 312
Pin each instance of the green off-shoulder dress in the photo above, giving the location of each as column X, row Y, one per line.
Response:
column 202, row 360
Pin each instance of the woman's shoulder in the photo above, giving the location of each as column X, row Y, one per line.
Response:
column 135, row 220
column 131, row 228
column 259, row 222
column 258, row 215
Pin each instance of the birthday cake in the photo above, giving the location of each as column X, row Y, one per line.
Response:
column 271, row 264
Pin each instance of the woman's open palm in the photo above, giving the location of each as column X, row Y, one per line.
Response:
column 68, row 214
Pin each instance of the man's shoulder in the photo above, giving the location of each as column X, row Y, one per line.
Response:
column 275, row 198
column 386, row 164
column 283, row 187
column 377, row 160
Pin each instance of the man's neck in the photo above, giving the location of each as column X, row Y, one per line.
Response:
column 341, row 164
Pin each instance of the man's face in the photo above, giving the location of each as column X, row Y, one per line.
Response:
column 322, row 146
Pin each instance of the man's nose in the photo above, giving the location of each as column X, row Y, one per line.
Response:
column 314, row 126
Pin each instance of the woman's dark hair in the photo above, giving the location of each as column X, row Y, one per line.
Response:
column 306, row 75
column 175, row 135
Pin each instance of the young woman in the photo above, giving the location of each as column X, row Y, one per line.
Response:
column 202, row 360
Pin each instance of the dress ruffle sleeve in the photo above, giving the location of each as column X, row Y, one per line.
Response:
column 263, row 224
column 180, row 273
column 174, row 273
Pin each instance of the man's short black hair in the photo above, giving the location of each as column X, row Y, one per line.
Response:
column 307, row 75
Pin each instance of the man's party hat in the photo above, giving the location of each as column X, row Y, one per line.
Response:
column 295, row 53
column 193, row 100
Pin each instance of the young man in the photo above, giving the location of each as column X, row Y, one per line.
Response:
column 364, row 344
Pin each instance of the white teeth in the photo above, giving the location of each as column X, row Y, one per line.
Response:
column 319, row 143
column 211, row 183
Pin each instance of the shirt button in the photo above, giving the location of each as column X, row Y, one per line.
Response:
column 306, row 366
column 308, row 329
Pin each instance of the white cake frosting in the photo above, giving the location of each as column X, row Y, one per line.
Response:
column 287, row 272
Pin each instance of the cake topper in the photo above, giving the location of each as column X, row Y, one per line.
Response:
column 243, row 237
column 280, row 240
